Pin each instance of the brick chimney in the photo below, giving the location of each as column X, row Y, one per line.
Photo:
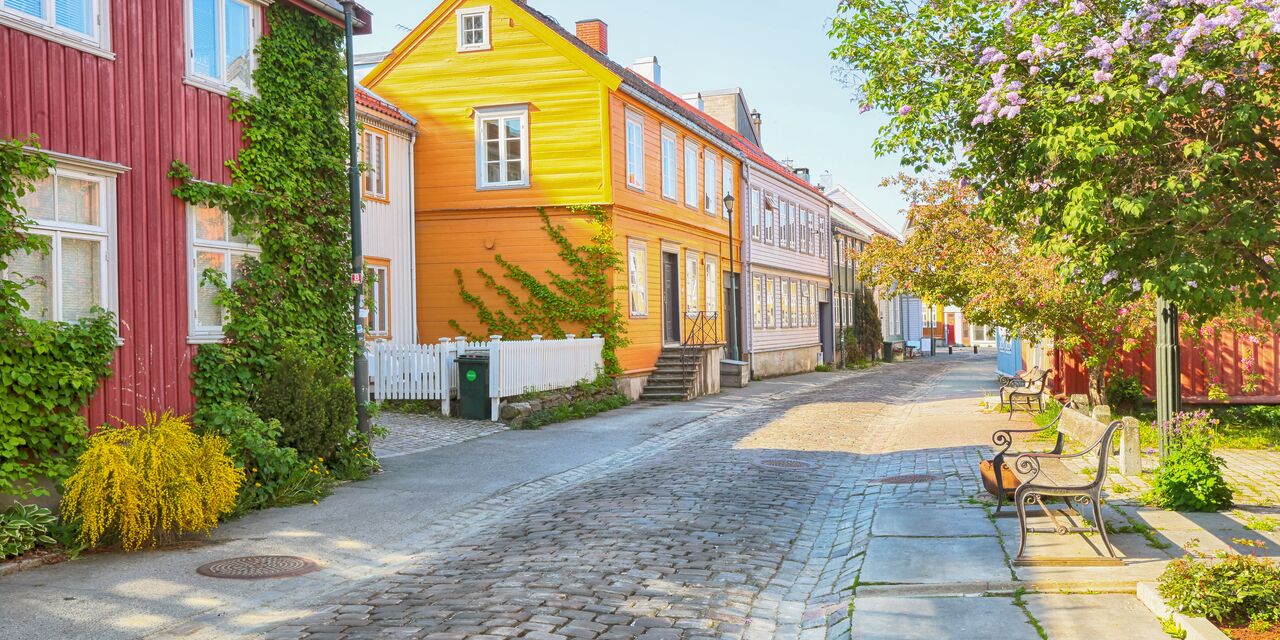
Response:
column 595, row 33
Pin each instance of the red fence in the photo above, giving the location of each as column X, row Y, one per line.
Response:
column 1217, row 358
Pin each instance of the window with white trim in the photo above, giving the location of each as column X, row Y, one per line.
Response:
column 81, row 20
column 757, row 301
column 668, row 164
column 473, row 29
column 712, row 299
column 502, row 148
column 378, row 301
column 824, row 228
column 374, row 156
column 726, row 184
column 770, row 302
column 691, row 283
column 709, row 182
column 217, row 256
column 770, row 213
column 755, row 214
column 74, row 212
column 638, row 278
column 221, row 35
column 635, row 151
column 691, row 173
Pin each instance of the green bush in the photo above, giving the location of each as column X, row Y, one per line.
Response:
column 22, row 527
column 314, row 405
column 1124, row 390
column 1190, row 477
column 1237, row 590
column 275, row 475
column 48, row 371
column 572, row 411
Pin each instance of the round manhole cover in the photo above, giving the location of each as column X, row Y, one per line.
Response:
column 785, row 464
column 910, row 478
column 258, row 567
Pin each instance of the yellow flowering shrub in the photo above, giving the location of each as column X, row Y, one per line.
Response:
column 147, row 483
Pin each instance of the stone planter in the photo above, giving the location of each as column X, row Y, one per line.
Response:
column 1196, row 628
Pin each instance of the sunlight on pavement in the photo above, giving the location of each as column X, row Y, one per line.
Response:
column 826, row 426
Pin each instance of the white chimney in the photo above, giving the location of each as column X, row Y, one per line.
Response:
column 649, row 69
column 826, row 180
column 694, row 100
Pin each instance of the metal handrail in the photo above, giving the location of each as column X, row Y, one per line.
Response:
column 703, row 330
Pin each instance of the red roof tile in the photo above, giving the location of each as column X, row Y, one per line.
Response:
column 371, row 101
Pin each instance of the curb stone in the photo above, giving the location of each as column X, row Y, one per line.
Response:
column 1196, row 628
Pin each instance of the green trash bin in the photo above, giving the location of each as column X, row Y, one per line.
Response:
column 473, row 385
column 887, row 353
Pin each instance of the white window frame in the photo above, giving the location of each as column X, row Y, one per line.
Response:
column 373, row 182
column 383, row 310
column 634, row 150
column 691, row 281
column 670, row 145
column 691, row 171
column 709, row 164
column 770, row 215
column 770, row 302
column 103, row 233
column 726, row 186
column 638, row 277
column 757, row 302
column 214, row 83
column 96, row 42
column 500, row 114
column 756, row 213
column 711, row 273
column 461, row 15
column 196, row 332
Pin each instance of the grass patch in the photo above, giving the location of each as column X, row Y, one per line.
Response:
column 1031, row 619
column 824, row 368
column 1262, row 523
column 1240, row 427
column 572, row 411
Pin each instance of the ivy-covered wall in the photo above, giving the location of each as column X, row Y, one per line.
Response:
column 289, row 195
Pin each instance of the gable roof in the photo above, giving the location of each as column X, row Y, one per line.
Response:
column 842, row 218
column 844, row 198
column 377, row 104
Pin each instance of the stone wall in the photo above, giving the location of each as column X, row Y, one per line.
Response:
column 514, row 410
column 768, row 364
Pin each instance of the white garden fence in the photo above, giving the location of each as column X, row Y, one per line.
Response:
column 430, row 371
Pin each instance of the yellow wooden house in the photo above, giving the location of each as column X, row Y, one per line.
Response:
column 515, row 114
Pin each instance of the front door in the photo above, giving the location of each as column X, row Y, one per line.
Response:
column 670, row 298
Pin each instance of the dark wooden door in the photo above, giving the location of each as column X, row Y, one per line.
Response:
column 670, row 298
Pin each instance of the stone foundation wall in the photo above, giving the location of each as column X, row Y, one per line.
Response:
column 512, row 410
column 768, row 364
column 631, row 386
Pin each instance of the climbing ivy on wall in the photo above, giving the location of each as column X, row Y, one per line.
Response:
column 48, row 370
column 583, row 299
column 289, row 195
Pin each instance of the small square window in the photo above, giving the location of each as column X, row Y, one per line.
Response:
column 473, row 29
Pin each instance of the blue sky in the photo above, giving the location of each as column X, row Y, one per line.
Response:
column 777, row 51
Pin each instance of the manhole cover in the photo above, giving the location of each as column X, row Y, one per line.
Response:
column 257, row 567
column 784, row 464
column 910, row 478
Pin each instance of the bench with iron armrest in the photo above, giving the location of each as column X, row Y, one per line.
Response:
column 1017, row 380
column 1004, row 438
column 1030, row 392
column 1046, row 475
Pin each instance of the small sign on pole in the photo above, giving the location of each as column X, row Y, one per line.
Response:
column 357, row 278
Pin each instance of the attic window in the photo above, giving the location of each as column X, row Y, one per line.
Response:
column 473, row 29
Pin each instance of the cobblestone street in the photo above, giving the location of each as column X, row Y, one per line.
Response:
column 749, row 523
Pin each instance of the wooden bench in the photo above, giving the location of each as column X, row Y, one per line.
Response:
column 1046, row 475
column 1002, row 490
column 1028, row 388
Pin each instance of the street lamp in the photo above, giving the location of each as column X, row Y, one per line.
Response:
column 732, row 329
column 360, row 365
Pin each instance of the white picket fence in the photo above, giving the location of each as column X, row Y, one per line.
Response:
column 430, row 371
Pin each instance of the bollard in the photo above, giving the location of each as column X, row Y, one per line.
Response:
column 1130, row 453
column 975, row 348
column 949, row 349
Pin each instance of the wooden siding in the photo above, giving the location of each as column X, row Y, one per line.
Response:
column 134, row 111
column 388, row 231
column 474, row 239
column 1222, row 352
column 440, row 87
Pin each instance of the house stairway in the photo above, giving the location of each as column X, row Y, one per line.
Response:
column 677, row 369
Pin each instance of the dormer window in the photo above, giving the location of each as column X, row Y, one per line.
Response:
column 473, row 29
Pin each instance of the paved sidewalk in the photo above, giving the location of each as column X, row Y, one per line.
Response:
column 414, row 433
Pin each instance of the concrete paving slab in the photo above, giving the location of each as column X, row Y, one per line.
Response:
column 881, row 618
column 926, row 522
column 1089, row 617
column 934, row 561
column 1074, row 545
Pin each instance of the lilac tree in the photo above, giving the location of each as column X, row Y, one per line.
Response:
column 1136, row 138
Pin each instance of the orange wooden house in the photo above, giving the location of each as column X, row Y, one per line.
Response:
column 515, row 113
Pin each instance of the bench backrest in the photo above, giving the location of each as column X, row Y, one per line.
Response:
column 1103, row 445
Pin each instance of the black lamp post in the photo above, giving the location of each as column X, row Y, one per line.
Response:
column 732, row 327
column 360, row 364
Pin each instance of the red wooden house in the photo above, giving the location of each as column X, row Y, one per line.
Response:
column 116, row 91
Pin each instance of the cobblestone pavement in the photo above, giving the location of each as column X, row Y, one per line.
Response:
column 412, row 433
column 750, row 523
